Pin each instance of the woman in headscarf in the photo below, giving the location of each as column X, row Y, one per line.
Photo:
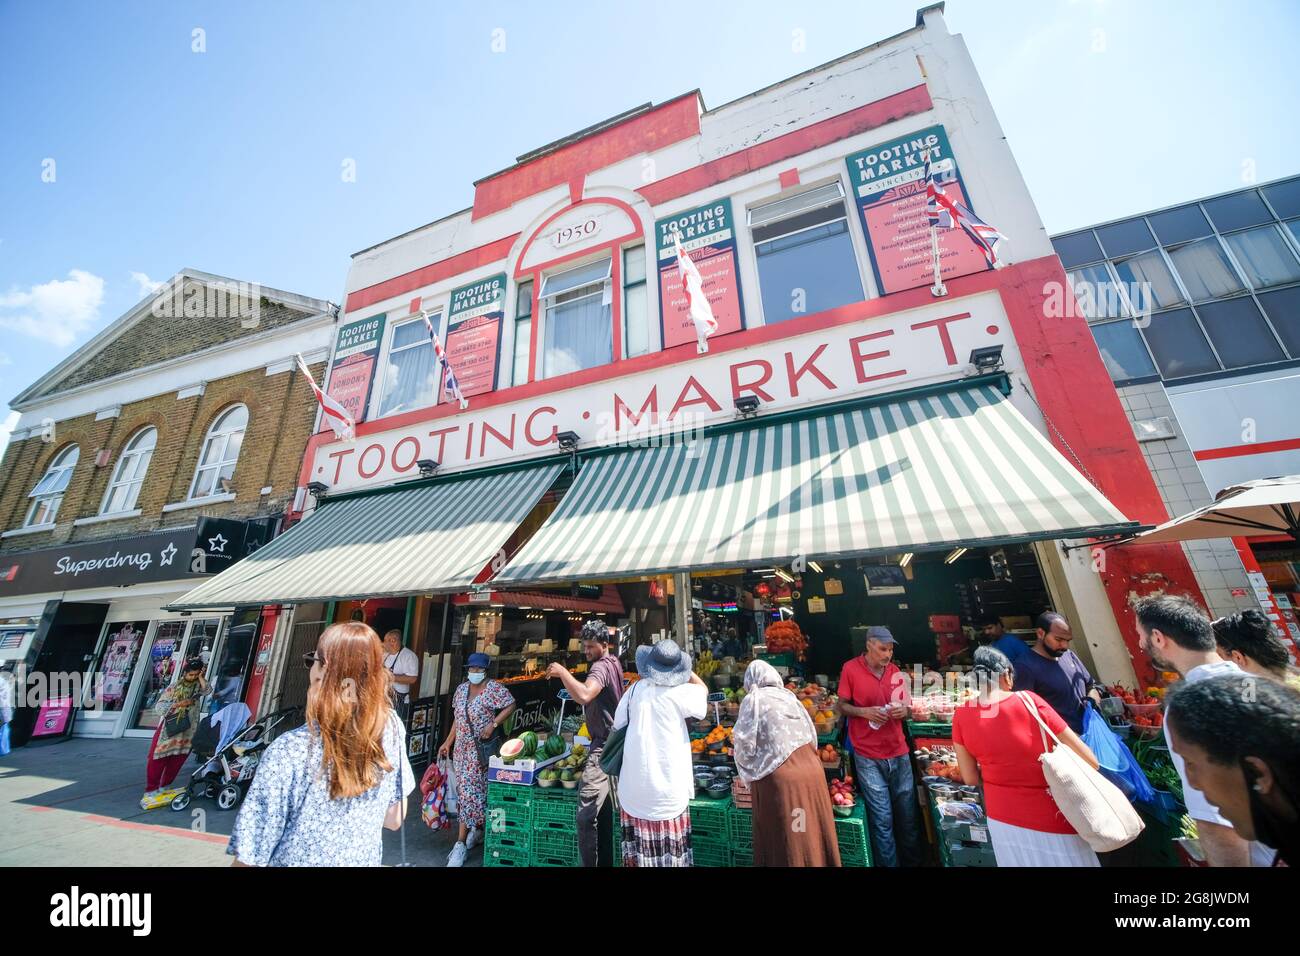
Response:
column 776, row 756
column 174, row 738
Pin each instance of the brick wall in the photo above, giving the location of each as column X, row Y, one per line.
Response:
column 281, row 412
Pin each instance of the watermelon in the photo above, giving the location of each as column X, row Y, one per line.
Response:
column 529, row 741
column 554, row 745
column 512, row 750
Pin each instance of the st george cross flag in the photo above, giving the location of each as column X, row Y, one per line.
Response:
column 945, row 212
column 693, row 285
column 449, row 384
column 336, row 416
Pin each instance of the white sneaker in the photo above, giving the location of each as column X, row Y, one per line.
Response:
column 457, row 855
column 471, row 841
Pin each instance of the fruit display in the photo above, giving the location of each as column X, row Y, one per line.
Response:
column 512, row 750
column 706, row 665
column 554, row 745
column 843, row 797
column 574, row 762
column 784, row 637
column 939, row 762
column 829, row 755
column 529, row 741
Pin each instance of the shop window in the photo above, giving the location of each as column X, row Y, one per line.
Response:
column 1294, row 227
column 806, row 262
column 1077, row 249
column 578, row 331
column 523, row 330
column 1123, row 351
column 1205, row 270
column 1180, row 225
column 1283, row 310
column 48, row 493
column 1237, row 211
column 124, row 490
column 216, row 468
column 1178, row 345
column 636, row 323
column 1125, row 238
column 1239, row 333
column 1148, row 283
column 1265, row 257
column 410, row 372
column 1096, row 294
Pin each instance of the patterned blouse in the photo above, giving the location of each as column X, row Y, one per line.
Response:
column 288, row 818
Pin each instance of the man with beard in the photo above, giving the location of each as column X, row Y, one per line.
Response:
column 1178, row 636
column 1054, row 672
column 1239, row 737
column 599, row 695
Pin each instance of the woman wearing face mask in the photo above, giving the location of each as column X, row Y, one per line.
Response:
column 174, row 738
column 1239, row 736
column 998, row 743
column 325, row 792
column 479, row 707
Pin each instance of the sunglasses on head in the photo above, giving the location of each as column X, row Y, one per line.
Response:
column 310, row 658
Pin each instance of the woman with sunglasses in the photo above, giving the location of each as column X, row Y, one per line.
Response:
column 325, row 792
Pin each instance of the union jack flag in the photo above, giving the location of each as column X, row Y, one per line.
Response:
column 944, row 212
column 450, row 386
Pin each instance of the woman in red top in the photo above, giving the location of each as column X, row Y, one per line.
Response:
column 998, row 744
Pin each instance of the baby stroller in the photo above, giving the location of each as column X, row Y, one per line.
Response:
column 228, row 754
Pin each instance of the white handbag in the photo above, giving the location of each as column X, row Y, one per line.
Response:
column 1095, row 807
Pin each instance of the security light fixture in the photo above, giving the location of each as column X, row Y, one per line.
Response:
column 747, row 406
column 318, row 488
column 568, row 440
column 987, row 359
column 427, row 467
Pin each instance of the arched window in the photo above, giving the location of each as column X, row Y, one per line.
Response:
column 124, row 489
column 220, row 452
column 48, row 493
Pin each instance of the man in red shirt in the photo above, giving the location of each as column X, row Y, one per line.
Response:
column 874, row 697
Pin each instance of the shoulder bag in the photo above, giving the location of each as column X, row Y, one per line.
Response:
column 1094, row 806
column 489, row 748
column 611, row 755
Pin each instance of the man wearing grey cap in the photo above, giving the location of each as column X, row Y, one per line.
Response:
column 874, row 697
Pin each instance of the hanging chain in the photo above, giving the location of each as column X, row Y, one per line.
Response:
column 1059, row 437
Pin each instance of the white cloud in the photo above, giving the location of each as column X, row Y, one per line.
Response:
column 144, row 285
column 58, row 311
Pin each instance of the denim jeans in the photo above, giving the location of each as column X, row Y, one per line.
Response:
column 890, row 795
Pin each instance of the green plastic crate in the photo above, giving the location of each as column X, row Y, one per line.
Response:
column 740, row 827
column 742, row 856
column 556, row 809
column 554, row 848
column 709, row 819
column 852, row 836
column 779, row 660
column 505, row 856
column 513, row 838
column 706, row 853
column 937, row 729
column 855, row 859
column 510, row 797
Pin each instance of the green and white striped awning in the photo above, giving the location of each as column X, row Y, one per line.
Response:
column 935, row 469
column 432, row 538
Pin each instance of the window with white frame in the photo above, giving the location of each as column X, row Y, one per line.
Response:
column 578, row 329
column 636, row 324
column 48, row 493
column 805, row 254
column 220, row 453
column 523, row 331
column 124, row 490
column 410, row 372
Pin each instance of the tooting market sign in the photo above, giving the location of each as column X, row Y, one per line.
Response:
column 668, row 401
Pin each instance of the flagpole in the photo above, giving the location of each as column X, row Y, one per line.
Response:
column 938, row 289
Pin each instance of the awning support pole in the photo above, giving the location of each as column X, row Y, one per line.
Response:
column 683, row 609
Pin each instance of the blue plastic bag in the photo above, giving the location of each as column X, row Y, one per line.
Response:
column 4, row 739
column 1116, row 761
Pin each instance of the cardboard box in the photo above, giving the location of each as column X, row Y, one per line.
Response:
column 523, row 771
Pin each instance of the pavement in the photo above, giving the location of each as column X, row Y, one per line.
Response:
column 77, row 803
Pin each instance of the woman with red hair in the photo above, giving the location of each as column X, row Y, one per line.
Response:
column 324, row 792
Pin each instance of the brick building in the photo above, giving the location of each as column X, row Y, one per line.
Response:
column 160, row 452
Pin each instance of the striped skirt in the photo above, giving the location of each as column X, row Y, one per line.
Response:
column 656, row 842
column 1019, row 846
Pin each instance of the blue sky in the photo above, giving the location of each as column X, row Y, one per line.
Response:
column 230, row 160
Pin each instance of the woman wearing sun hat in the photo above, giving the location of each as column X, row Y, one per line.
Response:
column 655, row 784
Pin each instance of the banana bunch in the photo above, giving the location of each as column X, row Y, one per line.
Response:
column 705, row 665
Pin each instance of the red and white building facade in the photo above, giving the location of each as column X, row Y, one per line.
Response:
column 561, row 313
